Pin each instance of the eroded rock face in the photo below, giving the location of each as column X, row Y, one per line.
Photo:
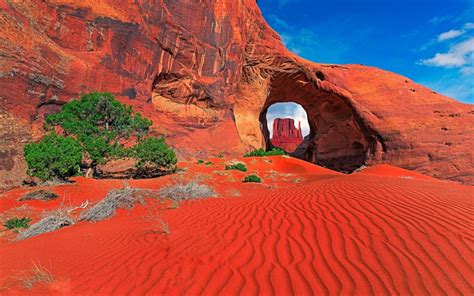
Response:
column 13, row 135
column 204, row 68
column 285, row 135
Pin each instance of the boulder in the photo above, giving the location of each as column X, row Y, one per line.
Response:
column 117, row 169
column 125, row 168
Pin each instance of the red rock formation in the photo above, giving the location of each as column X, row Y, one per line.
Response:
column 206, row 68
column 285, row 135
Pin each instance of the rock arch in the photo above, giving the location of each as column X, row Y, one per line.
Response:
column 338, row 137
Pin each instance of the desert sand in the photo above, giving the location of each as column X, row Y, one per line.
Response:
column 304, row 230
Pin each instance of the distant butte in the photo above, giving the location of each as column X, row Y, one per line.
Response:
column 285, row 135
column 204, row 68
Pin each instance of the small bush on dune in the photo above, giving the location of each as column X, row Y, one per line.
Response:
column 39, row 195
column 154, row 152
column 54, row 157
column 21, row 211
column 252, row 179
column 260, row 152
column 16, row 223
column 200, row 161
column 187, row 191
column 209, row 163
column 51, row 222
column 236, row 166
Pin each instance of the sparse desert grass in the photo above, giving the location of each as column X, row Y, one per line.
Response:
column 154, row 218
column 27, row 279
column 199, row 177
column 221, row 173
column 124, row 198
column 273, row 175
column 51, row 221
column 234, row 192
column 231, row 178
column 38, row 275
column 271, row 186
column 183, row 190
column 39, row 195
column 277, row 176
column 174, row 205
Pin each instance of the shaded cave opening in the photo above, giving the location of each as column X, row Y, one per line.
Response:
column 337, row 139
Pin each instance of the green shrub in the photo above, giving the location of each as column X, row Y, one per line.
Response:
column 260, row 152
column 100, row 123
column 96, row 126
column 252, row 179
column 15, row 223
column 54, row 157
column 154, row 151
column 236, row 166
column 200, row 161
column 209, row 163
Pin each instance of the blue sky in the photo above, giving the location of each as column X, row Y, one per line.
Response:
column 429, row 41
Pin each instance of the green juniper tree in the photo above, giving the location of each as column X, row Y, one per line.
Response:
column 95, row 126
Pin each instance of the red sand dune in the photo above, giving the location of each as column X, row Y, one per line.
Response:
column 325, row 234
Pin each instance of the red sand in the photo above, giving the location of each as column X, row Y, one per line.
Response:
column 376, row 232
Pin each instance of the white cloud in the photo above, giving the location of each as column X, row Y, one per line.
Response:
column 469, row 26
column 455, row 33
column 440, row 19
column 450, row 35
column 288, row 110
column 460, row 55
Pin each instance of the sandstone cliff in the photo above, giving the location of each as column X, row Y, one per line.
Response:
column 285, row 135
column 206, row 68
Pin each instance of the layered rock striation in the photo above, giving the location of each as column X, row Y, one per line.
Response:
column 285, row 135
column 205, row 68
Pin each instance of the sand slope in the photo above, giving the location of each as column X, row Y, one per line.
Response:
column 361, row 234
